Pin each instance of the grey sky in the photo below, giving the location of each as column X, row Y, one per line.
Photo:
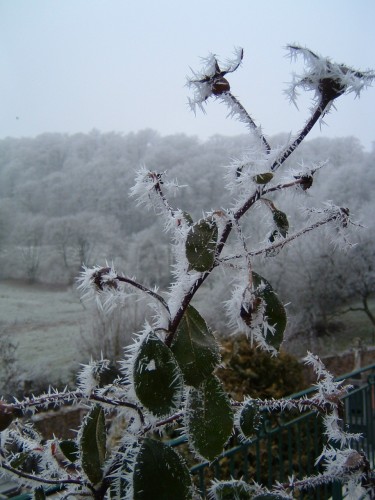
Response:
column 74, row 65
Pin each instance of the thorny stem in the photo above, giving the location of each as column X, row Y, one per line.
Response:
column 119, row 402
column 280, row 244
column 325, row 478
column 279, row 187
column 244, row 112
column 280, row 405
column 43, row 401
column 38, row 479
column 319, row 112
column 158, row 189
column 173, row 325
column 165, row 421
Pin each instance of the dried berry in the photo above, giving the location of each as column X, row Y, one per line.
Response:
column 220, row 86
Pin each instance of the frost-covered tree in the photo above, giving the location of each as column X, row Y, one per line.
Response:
column 167, row 377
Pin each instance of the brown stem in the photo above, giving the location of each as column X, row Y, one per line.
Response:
column 43, row 480
column 166, row 421
column 118, row 402
column 74, row 395
column 319, row 112
column 249, row 120
column 144, row 289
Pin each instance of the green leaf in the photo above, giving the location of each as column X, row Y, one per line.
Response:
column 69, row 449
column 275, row 310
column 263, row 178
column 281, row 221
column 39, row 493
column 158, row 381
column 188, row 218
column 201, row 245
column 230, row 490
column 93, row 444
column 160, row 473
column 195, row 348
column 19, row 459
column 250, row 420
column 209, row 418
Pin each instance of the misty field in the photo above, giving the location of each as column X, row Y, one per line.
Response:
column 45, row 323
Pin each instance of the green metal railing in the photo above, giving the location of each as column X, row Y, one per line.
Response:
column 290, row 447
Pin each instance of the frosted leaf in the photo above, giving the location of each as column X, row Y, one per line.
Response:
column 243, row 305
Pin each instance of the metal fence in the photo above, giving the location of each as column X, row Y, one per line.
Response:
column 290, row 447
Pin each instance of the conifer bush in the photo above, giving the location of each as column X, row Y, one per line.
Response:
column 168, row 375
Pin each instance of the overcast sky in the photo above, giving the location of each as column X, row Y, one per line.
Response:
column 120, row 65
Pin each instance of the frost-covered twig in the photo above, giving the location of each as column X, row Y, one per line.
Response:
column 42, row 480
column 328, row 81
column 153, row 294
column 102, row 282
column 211, row 82
column 59, row 398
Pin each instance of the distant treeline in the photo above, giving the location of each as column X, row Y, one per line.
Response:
column 64, row 201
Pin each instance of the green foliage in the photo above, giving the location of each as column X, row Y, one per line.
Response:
column 250, row 420
column 250, row 371
column 93, row 444
column 263, row 178
column 195, row 348
column 160, row 473
column 201, row 245
column 39, row 493
column 274, row 311
column 209, row 418
column 157, row 379
column 281, row 221
column 69, row 449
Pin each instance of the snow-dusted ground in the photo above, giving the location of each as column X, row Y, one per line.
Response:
column 45, row 322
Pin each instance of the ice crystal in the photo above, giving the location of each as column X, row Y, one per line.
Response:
column 99, row 285
column 328, row 80
column 89, row 376
column 246, row 311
